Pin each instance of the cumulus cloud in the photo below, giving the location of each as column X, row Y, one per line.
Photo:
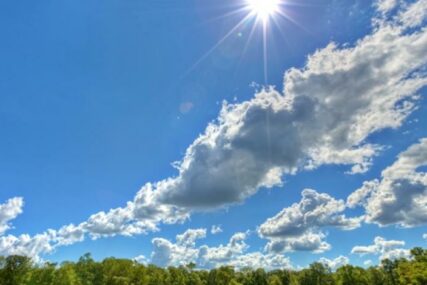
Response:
column 385, row 6
column 327, row 110
column 32, row 246
column 9, row 211
column 335, row 263
column 390, row 249
column 216, row 229
column 414, row 15
column 400, row 196
column 234, row 253
column 299, row 227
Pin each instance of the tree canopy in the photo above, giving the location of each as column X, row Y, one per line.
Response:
column 20, row 270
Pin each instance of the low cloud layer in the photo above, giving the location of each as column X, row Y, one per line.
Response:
column 234, row 253
column 391, row 249
column 300, row 226
column 336, row 262
column 400, row 196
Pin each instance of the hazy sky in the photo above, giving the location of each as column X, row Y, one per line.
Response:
column 146, row 129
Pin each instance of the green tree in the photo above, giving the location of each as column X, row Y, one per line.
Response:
column 351, row 275
column 66, row 275
column 14, row 270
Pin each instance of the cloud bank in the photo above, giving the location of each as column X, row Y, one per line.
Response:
column 234, row 253
column 299, row 227
column 400, row 196
column 390, row 249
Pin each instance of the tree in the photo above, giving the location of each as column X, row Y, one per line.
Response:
column 351, row 275
column 66, row 275
column 274, row 280
column 14, row 269
column 316, row 274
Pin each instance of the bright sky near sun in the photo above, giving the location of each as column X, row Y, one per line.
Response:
column 266, row 133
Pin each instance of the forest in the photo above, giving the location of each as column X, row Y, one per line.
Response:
column 20, row 270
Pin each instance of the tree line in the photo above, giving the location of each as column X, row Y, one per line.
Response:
column 20, row 270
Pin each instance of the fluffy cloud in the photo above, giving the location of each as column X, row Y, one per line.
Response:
column 9, row 211
column 335, row 263
column 216, row 229
column 27, row 245
column 385, row 6
column 390, row 249
column 184, row 251
column 298, row 227
column 414, row 15
column 400, row 197
column 327, row 110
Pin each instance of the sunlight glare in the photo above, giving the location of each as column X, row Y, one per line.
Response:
column 263, row 9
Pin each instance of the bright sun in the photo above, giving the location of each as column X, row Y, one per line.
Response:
column 263, row 9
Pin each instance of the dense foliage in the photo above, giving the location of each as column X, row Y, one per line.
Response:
column 19, row 270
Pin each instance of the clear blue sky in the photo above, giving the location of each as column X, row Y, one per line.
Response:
column 97, row 98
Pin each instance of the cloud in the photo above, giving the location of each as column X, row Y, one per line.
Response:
column 425, row 236
column 299, row 227
column 188, row 239
column 367, row 262
column 385, row 6
column 414, row 15
column 234, row 253
column 9, row 211
column 390, row 249
column 335, row 263
column 216, row 229
column 324, row 116
column 400, row 197
column 26, row 245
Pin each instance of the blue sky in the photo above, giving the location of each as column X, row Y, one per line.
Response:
column 99, row 98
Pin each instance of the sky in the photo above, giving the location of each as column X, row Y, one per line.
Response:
column 214, row 132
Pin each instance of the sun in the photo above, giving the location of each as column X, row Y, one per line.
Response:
column 263, row 9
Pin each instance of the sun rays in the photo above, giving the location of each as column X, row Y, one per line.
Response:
column 254, row 14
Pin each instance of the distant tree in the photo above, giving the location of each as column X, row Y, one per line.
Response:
column 316, row 274
column 14, row 269
column 274, row 280
column 389, row 267
column 66, row 275
column 375, row 276
column 351, row 275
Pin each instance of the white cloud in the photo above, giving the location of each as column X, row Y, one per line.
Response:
column 385, row 6
column 390, row 249
column 188, row 239
column 299, row 227
column 400, row 197
column 216, row 229
column 414, row 15
column 9, row 211
column 234, row 253
column 26, row 245
column 425, row 236
column 367, row 262
column 335, row 263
